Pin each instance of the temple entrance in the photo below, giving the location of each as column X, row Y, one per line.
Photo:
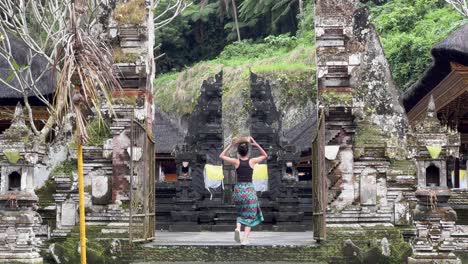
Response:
column 189, row 199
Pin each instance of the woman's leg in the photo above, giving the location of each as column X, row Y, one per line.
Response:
column 237, row 232
column 247, row 232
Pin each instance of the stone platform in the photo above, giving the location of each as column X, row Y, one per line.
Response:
column 265, row 247
column 227, row 239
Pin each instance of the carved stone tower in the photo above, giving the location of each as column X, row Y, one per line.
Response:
column 18, row 219
column 431, row 145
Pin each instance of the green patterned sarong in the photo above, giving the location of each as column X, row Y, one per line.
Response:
column 247, row 206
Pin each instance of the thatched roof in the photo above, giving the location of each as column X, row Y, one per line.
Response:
column 20, row 50
column 301, row 135
column 454, row 48
column 166, row 133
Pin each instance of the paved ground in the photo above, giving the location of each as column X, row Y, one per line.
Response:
column 227, row 239
column 229, row 262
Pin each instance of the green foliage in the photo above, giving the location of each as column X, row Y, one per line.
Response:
column 12, row 155
column 204, row 28
column 275, row 16
column 132, row 12
column 399, row 252
column 408, row 29
column 98, row 131
column 201, row 13
column 45, row 193
column 198, row 34
column 96, row 251
column 280, row 58
column 248, row 51
column 66, row 167
column 306, row 30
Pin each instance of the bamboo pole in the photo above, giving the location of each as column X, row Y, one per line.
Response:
column 82, row 208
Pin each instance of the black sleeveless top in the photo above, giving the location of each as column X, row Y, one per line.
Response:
column 244, row 171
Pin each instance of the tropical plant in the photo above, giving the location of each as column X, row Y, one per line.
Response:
column 224, row 7
column 62, row 33
column 460, row 5
column 278, row 13
column 408, row 29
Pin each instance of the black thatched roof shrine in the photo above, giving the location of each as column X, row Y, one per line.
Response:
column 301, row 135
column 166, row 133
column 21, row 53
column 454, row 48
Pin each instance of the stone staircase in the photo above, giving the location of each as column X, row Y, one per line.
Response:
column 360, row 215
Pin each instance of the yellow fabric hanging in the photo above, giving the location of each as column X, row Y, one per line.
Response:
column 260, row 172
column 434, row 151
column 214, row 172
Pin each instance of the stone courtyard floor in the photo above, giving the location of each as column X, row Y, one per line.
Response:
column 227, row 239
column 229, row 262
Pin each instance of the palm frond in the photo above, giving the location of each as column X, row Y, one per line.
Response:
column 86, row 77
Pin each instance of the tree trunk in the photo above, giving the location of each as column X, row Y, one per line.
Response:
column 30, row 115
column 301, row 8
column 234, row 9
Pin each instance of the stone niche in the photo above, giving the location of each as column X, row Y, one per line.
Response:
column 432, row 173
column 18, row 220
column 368, row 187
column 15, row 178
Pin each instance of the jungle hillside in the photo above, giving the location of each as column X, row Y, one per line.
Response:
column 275, row 39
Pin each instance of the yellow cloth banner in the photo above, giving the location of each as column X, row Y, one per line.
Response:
column 214, row 172
column 260, row 172
column 434, row 151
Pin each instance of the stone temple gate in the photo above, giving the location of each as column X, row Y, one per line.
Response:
column 357, row 162
column 191, row 203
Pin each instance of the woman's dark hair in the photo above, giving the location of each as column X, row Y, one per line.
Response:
column 243, row 149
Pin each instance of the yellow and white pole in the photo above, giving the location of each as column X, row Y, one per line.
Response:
column 82, row 207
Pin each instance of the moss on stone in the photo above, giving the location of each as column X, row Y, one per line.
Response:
column 331, row 98
column 399, row 252
column 120, row 56
column 45, row 193
column 66, row 167
column 132, row 12
column 96, row 252
column 368, row 134
column 98, row 131
column 328, row 251
column 126, row 100
column 405, row 166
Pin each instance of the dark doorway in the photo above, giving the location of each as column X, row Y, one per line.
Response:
column 432, row 176
column 14, row 181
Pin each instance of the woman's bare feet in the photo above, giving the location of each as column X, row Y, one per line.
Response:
column 245, row 242
column 237, row 235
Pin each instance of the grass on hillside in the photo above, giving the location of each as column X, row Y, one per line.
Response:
column 178, row 92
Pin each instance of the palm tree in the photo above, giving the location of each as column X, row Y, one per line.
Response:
column 86, row 77
column 234, row 8
column 277, row 11
column 223, row 7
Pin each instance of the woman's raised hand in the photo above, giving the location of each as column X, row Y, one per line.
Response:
column 253, row 141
